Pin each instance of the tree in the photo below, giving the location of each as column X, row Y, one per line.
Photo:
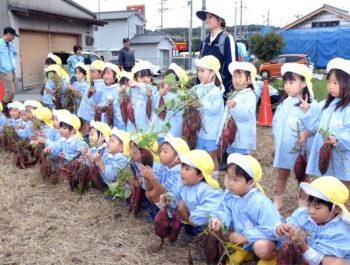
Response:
column 268, row 46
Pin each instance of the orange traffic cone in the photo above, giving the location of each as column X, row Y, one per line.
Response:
column 265, row 114
column 2, row 90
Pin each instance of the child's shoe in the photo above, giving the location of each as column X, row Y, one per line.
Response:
column 267, row 262
column 240, row 256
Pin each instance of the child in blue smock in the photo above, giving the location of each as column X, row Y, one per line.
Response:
column 15, row 109
column 78, row 88
column 175, row 78
column 196, row 194
column 56, row 79
column 209, row 92
column 141, row 89
column 292, row 126
column 241, row 106
column 42, row 131
column 322, row 230
column 3, row 118
column 113, row 159
column 29, row 105
column 166, row 178
column 335, row 121
column 92, row 96
column 111, row 96
column 72, row 144
column 247, row 212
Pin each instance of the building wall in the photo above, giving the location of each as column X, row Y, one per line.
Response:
column 4, row 18
column 324, row 16
column 52, row 6
column 165, row 53
column 147, row 52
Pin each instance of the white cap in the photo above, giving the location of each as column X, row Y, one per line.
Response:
column 245, row 66
column 339, row 63
column 142, row 65
column 16, row 105
column 32, row 103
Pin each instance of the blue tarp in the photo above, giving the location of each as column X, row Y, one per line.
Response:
column 320, row 44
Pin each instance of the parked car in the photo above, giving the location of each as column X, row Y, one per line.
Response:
column 273, row 67
column 154, row 68
column 89, row 57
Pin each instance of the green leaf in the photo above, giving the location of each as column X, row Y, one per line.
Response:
column 160, row 109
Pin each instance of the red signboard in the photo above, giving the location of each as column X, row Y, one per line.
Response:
column 140, row 8
column 181, row 46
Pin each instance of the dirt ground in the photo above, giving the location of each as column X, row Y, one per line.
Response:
column 49, row 224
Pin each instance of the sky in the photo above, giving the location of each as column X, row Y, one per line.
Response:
column 280, row 12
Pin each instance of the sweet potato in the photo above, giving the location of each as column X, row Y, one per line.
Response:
column 123, row 109
column 130, row 111
column 175, row 228
column 109, row 114
column 162, row 114
column 137, row 197
column 211, row 249
column 191, row 125
column 325, row 157
column 300, row 166
column 95, row 176
column 162, row 225
column 98, row 114
column 289, row 254
column 149, row 107
column 146, row 157
column 227, row 137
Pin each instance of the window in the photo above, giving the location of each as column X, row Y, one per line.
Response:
column 115, row 53
column 323, row 24
column 140, row 29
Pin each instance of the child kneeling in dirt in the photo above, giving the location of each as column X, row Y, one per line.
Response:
column 168, row 176
column 113, row 160
column 3, row 118
column 72, row 144
column 248, row 212
column 15, row 109
column 322, row 230
column 42, row 131
column 196, row 194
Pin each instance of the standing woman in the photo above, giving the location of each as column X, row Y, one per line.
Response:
column 218, row 43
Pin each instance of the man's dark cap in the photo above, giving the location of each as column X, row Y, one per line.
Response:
column 11, row 31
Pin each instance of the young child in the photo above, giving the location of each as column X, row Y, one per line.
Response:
column 29, row 105
column 98, row 136
column 247, row 212
column 92, row 96
column 115, row 159
column 56, row 80
column 291, row 127
column 209, row 92
column 196, row 193
column 241, row 106
column 140, row 91
column 169, row 157
column 334, row 119
column 3, row 118
column 111, row 95
column 72, row 144
column 322, row 230
column 174, row 79
column 78, row 88
column 42, row 131
column 15, row 109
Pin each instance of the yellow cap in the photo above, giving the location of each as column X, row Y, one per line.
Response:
column 32, row 103
column 102, row 127
column 250, row 165
column 87, row 70
column 43, row 114
column 181, row 73
column 300, row 69
column 58, row 70
column 329, row 189
column 210, row 62
column 201, row 160
column 56, row 59
column 73, row 121
column 178, row 144
column 125, row 137
column 96, row 65
column 113, row 67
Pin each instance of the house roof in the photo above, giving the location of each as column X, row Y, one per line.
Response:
column 325, row 8
column 91, row 18
column 119, row 15
column 150, row 38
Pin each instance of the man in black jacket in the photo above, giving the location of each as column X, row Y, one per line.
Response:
column 126, row 56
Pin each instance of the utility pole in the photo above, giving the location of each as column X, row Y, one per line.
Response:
column 203, row 30
column 235, row 32
column 240, row 28
column 190, row 36
column 268, row 18
column 162, row 10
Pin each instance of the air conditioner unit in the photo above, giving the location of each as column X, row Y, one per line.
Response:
column 89, row 40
